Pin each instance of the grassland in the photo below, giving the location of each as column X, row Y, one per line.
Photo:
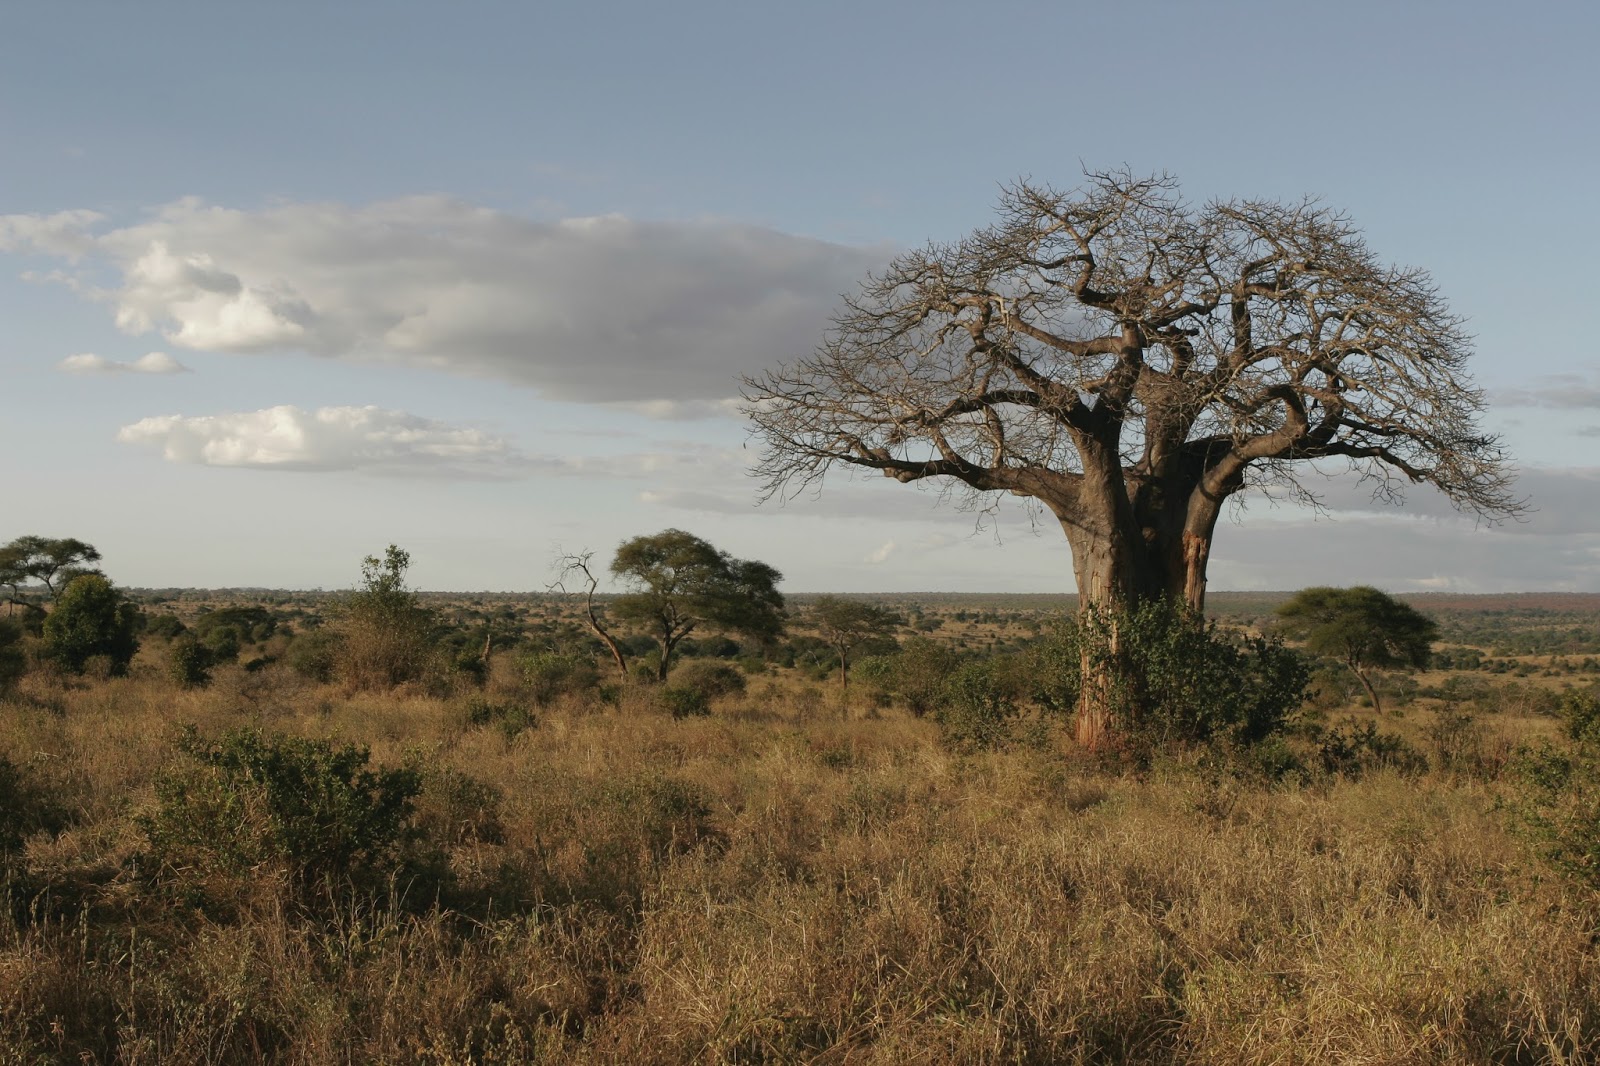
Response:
column 798, row 878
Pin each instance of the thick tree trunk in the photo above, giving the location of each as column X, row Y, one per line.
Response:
column 1114, row 573
column 1156, row 548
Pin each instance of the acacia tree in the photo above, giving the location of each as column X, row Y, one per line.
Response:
column 1362, row 627
column 51, row 561
column 1128, row 361
column 677, row 583
column 847, row 624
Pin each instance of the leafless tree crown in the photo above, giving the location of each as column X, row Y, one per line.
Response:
column 1116, row 333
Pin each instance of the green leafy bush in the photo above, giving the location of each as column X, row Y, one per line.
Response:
column 683, row 702
column 1172, row 677
column 91, row 619
column 26, row 807
column 1557, row 801
column 916, row 675
column 312, row 811
column 511, row 718
column 165, row 626
column 189, row 662
column 13, row 660
column 1557, row 806
column 549, row 674
column 978, row 705
column 314, row 654
column 1353, row 750
column 710, row 678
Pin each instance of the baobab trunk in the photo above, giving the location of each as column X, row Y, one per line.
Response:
column 1105, row 568
column 1117, row 574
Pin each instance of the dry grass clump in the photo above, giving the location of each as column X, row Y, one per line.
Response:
column 780, row 881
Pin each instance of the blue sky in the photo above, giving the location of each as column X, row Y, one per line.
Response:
column 479, row 278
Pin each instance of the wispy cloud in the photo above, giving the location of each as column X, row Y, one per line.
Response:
column 660, row 317
column 881, row 553
column 1558, row 391
column 88, row 363
column 329, row 438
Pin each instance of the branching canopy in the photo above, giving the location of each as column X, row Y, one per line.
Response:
column 1130, row 360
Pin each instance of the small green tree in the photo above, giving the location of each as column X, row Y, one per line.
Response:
column 678, row 583
column 848, row 624
column 1362, row 627
column 91, row 618
column 386, row 631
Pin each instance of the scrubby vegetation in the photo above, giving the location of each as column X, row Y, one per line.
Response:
column 330, row 846
column 776, row 881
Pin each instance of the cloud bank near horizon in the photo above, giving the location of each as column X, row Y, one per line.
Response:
column 330, row 438
column 662, row 317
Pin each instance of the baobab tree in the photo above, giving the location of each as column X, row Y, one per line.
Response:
column 1128, row 362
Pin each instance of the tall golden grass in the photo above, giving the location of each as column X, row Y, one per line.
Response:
column 783, row 881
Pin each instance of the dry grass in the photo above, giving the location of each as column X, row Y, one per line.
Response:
column 784, row 882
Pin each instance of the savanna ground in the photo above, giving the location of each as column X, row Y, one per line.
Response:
column 793, row 877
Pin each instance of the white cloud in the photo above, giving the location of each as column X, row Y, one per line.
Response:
column 881, row 553
column 329, row 438
column 661, row 316
column 149, row 363
column 1559, row 391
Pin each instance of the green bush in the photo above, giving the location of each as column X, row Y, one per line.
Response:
column 223, row 642
column 314, row 812
column 1580, row 714
column 314, row 654
column 91, row 619
column 189, row 662
column 1557, row 806
column 683, row 702
column 1354, row 749
column 710, row 678
column 165, row 626
column 511, row 718
column 549, row 674
column 13, row 660
column 1173, row 677
column 978, row 705
column 26, row 807
column 916, row 676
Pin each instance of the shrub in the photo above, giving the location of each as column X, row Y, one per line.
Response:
column 189, row 662
column 977, row 705
column 387, row 633
column 683, row 702
column 1557, row 806
column 1174, row 677
column 313, row 811
column 13, row 661
column 710, row 678
column 165, row 626
column 26, row 808
column 223, row 642
column 1580, row 714
column 512, row 718
column 314, row 654
column 91, row 618
column 551, row 674
column 1363, row 748
column 916, row 676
